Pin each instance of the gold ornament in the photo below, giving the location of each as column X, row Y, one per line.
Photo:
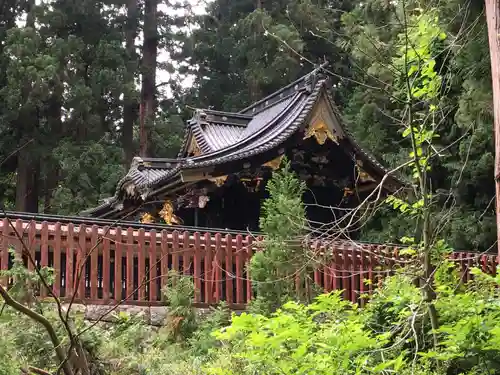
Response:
column 275, row 163
column 363, row 176
column 167, row 214
column 147, row 218
column 219, row 181
column 320, row 130
column 194, row 148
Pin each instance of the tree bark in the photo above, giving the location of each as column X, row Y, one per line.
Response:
column 28, row 164
column 493, row 21
column 129, row 101
column 148, row 92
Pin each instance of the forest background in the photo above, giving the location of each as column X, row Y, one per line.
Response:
column 73, row 75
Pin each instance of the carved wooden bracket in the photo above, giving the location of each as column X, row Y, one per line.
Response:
column 274, row 164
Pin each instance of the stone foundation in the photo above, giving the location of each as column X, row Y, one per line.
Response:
column 151, row 315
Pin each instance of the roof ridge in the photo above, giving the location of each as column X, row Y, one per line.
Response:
column 284, row 88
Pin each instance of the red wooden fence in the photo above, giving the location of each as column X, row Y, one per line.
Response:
column 103, row 265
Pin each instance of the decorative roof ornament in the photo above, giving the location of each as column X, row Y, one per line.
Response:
column 167, row 214
column 320, row 131
column 274, row 164
column 219, row 181
column 147, row 218
column 363, row 176
column 194, row 149
column 312, row 78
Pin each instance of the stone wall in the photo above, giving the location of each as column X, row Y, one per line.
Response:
column 152, row 315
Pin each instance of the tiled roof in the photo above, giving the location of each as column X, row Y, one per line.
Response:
column 223, row 137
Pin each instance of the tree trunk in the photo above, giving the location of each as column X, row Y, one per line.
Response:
column 493, row 21
column 28, row 171
column 129, row 101
column 148, row 93
column 28, row 164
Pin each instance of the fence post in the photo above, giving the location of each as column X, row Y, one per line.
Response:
column 153, row 289
column 94, row 268
column 31, row 244
column 164, row 261
column 197, row 267
column 129, row 291
column 175, row 251
column 44, row 248
column 229, row 269
column 68, row 282
column 218, row 268
column 239, row 273
column 106, row 264
column 249, row 242
column 208, row 279
column 57, row 259
column 141, row 249
column 118, row 265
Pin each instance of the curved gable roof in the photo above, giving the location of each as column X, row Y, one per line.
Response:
column 213, row 138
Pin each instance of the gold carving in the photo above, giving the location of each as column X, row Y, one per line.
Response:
column 275, row 163
column 147, row 218
column 348, row 192
column 219, row 181
column 193, row 149
column 320, row 131
column 363, row 176
column 167, row 214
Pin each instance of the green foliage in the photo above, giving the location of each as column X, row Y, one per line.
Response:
column 179, row 296
column 203, row 341
column 274, row 270
column 457, row 90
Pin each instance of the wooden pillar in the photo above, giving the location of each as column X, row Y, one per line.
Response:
column 493, row 21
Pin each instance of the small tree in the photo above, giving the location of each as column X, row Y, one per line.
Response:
column 279, row 271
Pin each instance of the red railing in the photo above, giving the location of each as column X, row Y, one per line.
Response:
column 105, row 265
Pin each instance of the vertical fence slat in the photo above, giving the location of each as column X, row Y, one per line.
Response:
column 186, row 253
column 354, row 277
column 141, row 249
column 317, row 271
column 239, row 270
column 68, row 285
column 4, row 250
column 31, row 244
column 197, row 267
column 337, row 269
column 106, row 264
column 129, row 292
column 207, row 273
column 153, row 289
column 44, row 249
column 175, row 251
column 80, row 261
column 218, row 268
column 229, row 269
column 370, row 271
column 94, row 270
column 118, row 264
column 249, row 244
column 346, row 284
column 164, row 259
column 19, row 239
column 57, row 259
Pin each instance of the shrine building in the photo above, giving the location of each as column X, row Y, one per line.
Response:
column 218, row 179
